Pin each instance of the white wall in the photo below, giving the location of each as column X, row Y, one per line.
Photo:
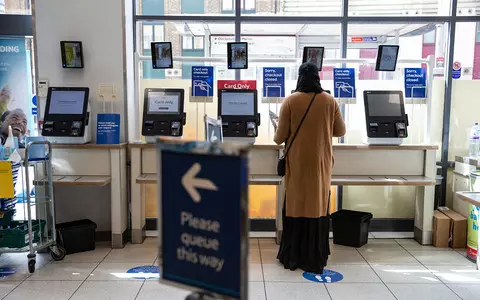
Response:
column 99, row 25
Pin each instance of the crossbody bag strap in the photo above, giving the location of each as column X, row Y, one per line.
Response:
column 300, row 125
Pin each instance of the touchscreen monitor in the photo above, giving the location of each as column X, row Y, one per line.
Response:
column 66, row 102
column 162, row 55
column 72, row 54
column 163, row 102
column 387, row 104
column 314, row 55
column 387, row 58
column 237, row 54
column 238, row 103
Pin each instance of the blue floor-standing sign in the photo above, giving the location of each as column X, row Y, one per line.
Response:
column 415, row 83
column 202, row 81
column 273, row 82
column 344, row 82
column 108, row 129
column 203, row 212
column 328, row 276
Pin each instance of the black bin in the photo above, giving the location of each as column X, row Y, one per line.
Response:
column 77, row 236
column 350, row 228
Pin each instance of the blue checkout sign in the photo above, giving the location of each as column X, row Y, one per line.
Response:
column 203, row 213
column 202, row 81
column 273, row 82
column 108, row 129
column 415, row 83
column 344, row 82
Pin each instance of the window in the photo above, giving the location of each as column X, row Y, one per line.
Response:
column 187, row 42
column 15, row 7
column 193, row 43
column 198, row 42
column 152, row 33
column 248, row 6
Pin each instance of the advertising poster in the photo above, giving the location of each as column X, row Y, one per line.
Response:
column 202, row 81
column 344, row 81
column 415, row 83
column 273, row 82
column 15, row 96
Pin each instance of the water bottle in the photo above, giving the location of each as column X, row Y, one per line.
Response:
column 9, row 146
column 474, row 146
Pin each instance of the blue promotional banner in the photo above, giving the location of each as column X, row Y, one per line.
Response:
column 415, row 83
column 344, row 82
column 202, row 81
column 15, row 91
column 273, row 82
column 108, row 129
column 203, row 220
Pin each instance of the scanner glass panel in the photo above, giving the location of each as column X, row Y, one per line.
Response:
column 241, row 103
column 67, row 102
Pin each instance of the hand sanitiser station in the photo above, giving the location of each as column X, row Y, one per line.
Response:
column 163, row 113
column 66, row 119
column 385, row 117
column 239, row 112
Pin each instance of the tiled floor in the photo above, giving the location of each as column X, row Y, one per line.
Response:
column 383, row 269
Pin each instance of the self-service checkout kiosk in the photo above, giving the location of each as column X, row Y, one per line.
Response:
column 238, row 110
column 385, row 117
column 66, row 119
column 163, row 113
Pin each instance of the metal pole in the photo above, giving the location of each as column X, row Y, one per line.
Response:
column 238, row 30
column 447, row 102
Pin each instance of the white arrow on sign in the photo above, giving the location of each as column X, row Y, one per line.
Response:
column 213, row 138
column 191, row 183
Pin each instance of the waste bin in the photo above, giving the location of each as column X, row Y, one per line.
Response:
column 77, row 236
column 350, row 228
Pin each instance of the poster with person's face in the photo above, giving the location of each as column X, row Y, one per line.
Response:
column 15, row 91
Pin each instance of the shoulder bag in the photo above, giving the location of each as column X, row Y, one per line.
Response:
column 282, row 162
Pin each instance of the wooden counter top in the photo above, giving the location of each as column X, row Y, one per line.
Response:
column 90, row 146
column 335, row 147
column 470, row 197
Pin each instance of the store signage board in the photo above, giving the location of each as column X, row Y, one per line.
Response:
column 108, row 129
column 202, row 81
column 273, row 82
column 457, row 70
column 203, row 210
column 344, row 82
column 415, row 83
column 237, row 84
column 363, row 39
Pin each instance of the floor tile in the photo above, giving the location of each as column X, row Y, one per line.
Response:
column 113, row 271
column 451, row 258
column 64, row 272
column 456, row 274
column 276, row 272
column 355, row 273
column 387, row 256
column 405, row 274
column 255, row 272
column 346, row 257
column 256, row 291
column 267, row 243
column 359, row 291
column 94, row 256
column 296, row 291
column 269, row 255
column 422, row 292
column 145, row 255
column 21, row 272
column 7, row 287
column 108, row 290
column 466, row 291
column 411, row 244
column 254, row 256
column 154, row 290
column 393, row 235
column 44, row 290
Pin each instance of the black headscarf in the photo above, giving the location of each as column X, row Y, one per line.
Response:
column 308, row 79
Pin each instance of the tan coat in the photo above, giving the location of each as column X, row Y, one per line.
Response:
column 310, row 160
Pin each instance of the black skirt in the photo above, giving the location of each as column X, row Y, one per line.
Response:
column 304, row 243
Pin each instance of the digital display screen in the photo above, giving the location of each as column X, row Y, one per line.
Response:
column 384, row 105
column 72, row 54
column 237, row 54
column 162, row 55
column 238, row 104
column 163, row 103
column 387, row 58
column 314, row 55
column 66, row 102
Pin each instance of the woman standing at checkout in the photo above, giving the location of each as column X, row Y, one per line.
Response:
column 309, row 162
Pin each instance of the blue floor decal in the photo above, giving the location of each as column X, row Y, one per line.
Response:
column 144, row 272
column 328, row 276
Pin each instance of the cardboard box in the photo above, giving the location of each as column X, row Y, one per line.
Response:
column 441, row 229
column 458, row 228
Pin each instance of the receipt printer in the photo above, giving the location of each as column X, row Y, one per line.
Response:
column 163, row 113
column 66, row 116
column 385, row 117
column 239, row 112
